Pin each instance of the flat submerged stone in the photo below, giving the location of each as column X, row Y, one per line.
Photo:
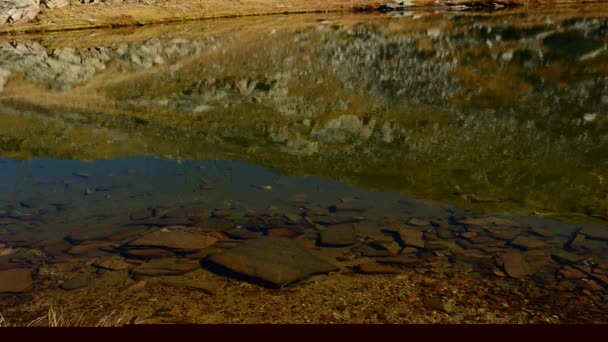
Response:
column 166, row 267
column 273, row 260
column 16, row 281
column 174, row 240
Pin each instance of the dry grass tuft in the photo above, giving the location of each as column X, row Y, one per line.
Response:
column 56, row 319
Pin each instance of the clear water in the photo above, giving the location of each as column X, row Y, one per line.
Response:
column 419, row 115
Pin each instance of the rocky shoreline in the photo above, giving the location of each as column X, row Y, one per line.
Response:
column 319, row 265
column 27, row 16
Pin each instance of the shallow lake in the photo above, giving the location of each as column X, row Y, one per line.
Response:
column 480, row 137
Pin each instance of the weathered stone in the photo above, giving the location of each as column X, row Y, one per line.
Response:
column 543, row 232
column 569, row 272
column 282, row 232
column 89, row 248
column 54, row 3
column 408, row 250
column 400, row 260
column 6, row 251
column 55, row 247
column 515, row 265
column 336, row 220
column 418, row 222
column 275, row 261
column 436, row 304
column 130, row 233
column 112, row 264
column 174, row 240
column 16, row 281
column 221, row 213
column 485, row 221
column 374, row 268
column 339, row 235
column 474, row 257
column 596, row 232
column 79, row 281
column 317, row 211
column 347, row 207
column 6, row 221
column 413, row 238
column 18, row 11
column 593, row 286
column 529, row 243
column 243, row 234
column 148, row 253
column 165, row 267
column 564, row 257
column 392, row 246
column 133, row 285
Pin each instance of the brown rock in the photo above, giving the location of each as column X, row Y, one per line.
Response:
column 436, row 304
column 174, row 240
column 79, row 281
column 305, row 241
column 80, row 250
column 282, row 232
column 338, row 235
column 6, row 221
column 413, row 238
column 149, row 253
column 485, row 221
column 166, row 267
column 392, row 246
column 133, row 285
column 126, row 234
column 374, row 268
column 317, row 211
column 347, row 207
column 219, row 213
column 529, row 243
column 55, row 247
column 515, row 265
column 275, row 261
column 593, row 286
column 400, row 260
column 112, row 263
column 418, row 222
column 568, row 272
column 542, row 231
column 596, row 232
column 16, row 281
column 6, row 251
column 564, row 257
column 408, row 250
column 473, row 257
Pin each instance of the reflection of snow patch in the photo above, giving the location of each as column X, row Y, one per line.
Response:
column 506, row 56
column 605, row 99
column 433, row 32
column 589, row 117
column 202, row 108
column 4, row 74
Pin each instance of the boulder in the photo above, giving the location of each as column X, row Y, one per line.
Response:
column 273, row 261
